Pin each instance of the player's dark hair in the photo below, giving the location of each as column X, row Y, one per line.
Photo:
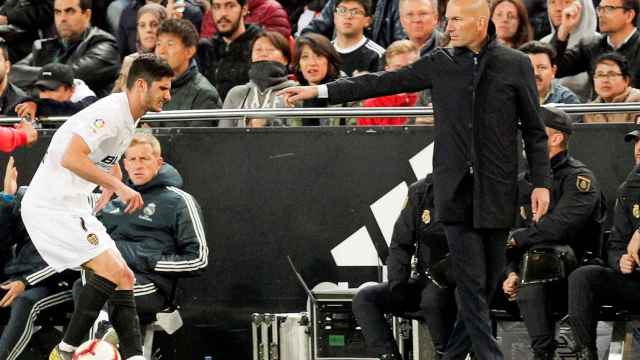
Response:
column 150, row 68
column 181, row 28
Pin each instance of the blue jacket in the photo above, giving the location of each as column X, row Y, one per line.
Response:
column 561, row 95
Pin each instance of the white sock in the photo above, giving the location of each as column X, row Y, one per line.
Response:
column 66, row 347
column 137, row 357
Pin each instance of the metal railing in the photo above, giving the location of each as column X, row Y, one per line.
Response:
column 221, row 114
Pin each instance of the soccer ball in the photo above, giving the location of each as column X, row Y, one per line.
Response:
column 96, row 349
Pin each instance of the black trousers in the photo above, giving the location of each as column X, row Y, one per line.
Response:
column 478, row 259
column 537, row 303
column 434, row 305
column 592, row 286
column 24, row 310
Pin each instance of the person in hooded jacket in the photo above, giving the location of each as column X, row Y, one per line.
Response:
column 270, row 58
column 580, row 84
column 166, row 239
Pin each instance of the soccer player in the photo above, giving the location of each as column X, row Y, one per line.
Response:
column 56, row 210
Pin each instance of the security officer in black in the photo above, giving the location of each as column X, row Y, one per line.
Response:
column 571, row 227
column 618, row 283
column 410, row 290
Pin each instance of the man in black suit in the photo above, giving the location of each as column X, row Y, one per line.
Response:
column 483, row 93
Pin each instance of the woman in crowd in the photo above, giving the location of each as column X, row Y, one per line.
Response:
column 512, row 22
column 268, row 74
column 317, row 62
column 149, row 18
column 133, row 27
column 611, row 79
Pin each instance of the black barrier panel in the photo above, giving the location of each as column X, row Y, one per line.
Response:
column 269, row 193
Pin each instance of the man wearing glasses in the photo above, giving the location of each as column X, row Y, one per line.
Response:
column 616, row 20
column 358, row 53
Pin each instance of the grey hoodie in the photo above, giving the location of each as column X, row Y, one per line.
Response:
column 580, row 84
column 249, row 96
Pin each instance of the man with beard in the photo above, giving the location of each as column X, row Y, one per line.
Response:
column 225, row 59
column 92, row 53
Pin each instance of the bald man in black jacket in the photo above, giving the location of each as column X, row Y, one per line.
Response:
column 483, row 93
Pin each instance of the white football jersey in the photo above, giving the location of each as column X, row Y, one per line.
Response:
column 108, row 128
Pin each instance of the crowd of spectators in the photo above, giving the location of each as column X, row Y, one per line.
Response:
column 239, row 53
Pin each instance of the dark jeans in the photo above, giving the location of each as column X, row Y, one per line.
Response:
column 435, row 306
column 537, row 303
column 24, row 310
column 592, row 286
column 478, row 259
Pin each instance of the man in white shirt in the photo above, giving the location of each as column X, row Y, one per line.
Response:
column 57, row 212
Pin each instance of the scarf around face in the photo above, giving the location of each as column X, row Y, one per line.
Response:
column 266, row 74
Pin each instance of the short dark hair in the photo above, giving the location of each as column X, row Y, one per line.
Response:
column 150, row 68
column 321, row 46
column 85, row 5
column 616, row 58
column 632, row 5
column 184, row 29
column 366, row 4
column 278, row 41
column 539, row 47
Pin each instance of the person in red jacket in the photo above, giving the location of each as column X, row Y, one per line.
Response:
column 399, row 54
column 23, row 134
column 268, row 14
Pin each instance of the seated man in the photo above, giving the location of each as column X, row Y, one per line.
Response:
column 618, row 283
column 417, row 232
column 56, row 89
column 164, row 240
column 570, row 229
column 91, row 52
column 30, row 284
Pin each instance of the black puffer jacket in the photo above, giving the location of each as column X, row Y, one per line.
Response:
column 164, row 240
column 94, row 58
column 227, row 65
